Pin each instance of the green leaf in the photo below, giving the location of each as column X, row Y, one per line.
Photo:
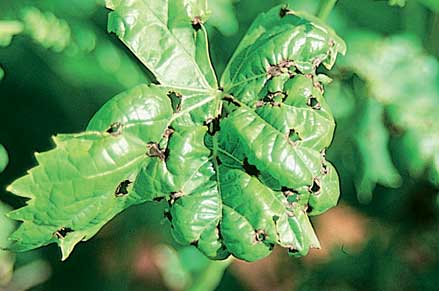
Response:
column 223, row 16
column 400, row 3
column 76, row 188
column 180, row 61
column 4, row 160
column 240, row 173
column 279, row 43
column 372, row 140
column 409, row 97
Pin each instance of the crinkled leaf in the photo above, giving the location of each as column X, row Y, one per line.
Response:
column 160, row 34
column 240, row 172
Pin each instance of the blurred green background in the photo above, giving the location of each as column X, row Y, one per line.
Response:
column 58, row 65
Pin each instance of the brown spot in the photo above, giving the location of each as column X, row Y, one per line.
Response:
column 313, row 103
column 115, row 129
column 175, row 196
column 168, row 132
column 154, row 151
column 196, row 23
column 315, row 187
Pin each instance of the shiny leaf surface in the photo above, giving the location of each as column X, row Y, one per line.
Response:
column 241, row 167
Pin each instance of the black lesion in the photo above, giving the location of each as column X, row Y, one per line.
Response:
column 122, row 188
column 196, row 23
column 260, row 235
column 232, row 100
column 315, row 187
column 115, row 128
column 313, row 103
column 175, row 196
column 283, row 11
column 324, row 169
column 154, row 151
column 62, row 232
column 194, row 243
column 213, row 125
column 250, row 169
column 294, row 135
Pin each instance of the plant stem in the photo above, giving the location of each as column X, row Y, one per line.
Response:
column 325, row 8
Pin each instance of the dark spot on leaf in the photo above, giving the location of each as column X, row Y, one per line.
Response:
column 250, row 169
column 294, row 136
column 154, row 151
column 221, row 89
column 158, row 199
column 232, row 100
column 213, row 125
column 176, row 99
column 167, row 214
column 122, row 188
column 194, row 243
column 324, row 169
column 315, row 187
column 218, row 161
column 168, row 132
column 196, row 23
column 115, row 128
column 323, row 153
column 283, row 11
column 271, row 246
column 275, row 218
column 292, row 251
column 313, row 103
column 175, row 196
column 260, row 235
column 62, row 232
column 309, row 209
column 289, row 191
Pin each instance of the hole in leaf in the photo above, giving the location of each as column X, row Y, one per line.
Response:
column 62, row 232
column 176, row 99
column 260, row 235
column 250, row 169
column 154, row 151
column 213, row 125
column 232, row 100
column 167, row 214
column 315, row 187
column 283, row 11
column 292, row 251
column 175, row 196
column 294, row 136
column 309, row 209
column 194, row 243
column 115, row 128
column 122, row 188
column 196, row 23
column 324, row 169
column 313, row 103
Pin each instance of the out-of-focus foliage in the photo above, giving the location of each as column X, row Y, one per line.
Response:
column 7, row 258
column 4, row 159
column 390, row 101
column 278, row 122
column 188, row 269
